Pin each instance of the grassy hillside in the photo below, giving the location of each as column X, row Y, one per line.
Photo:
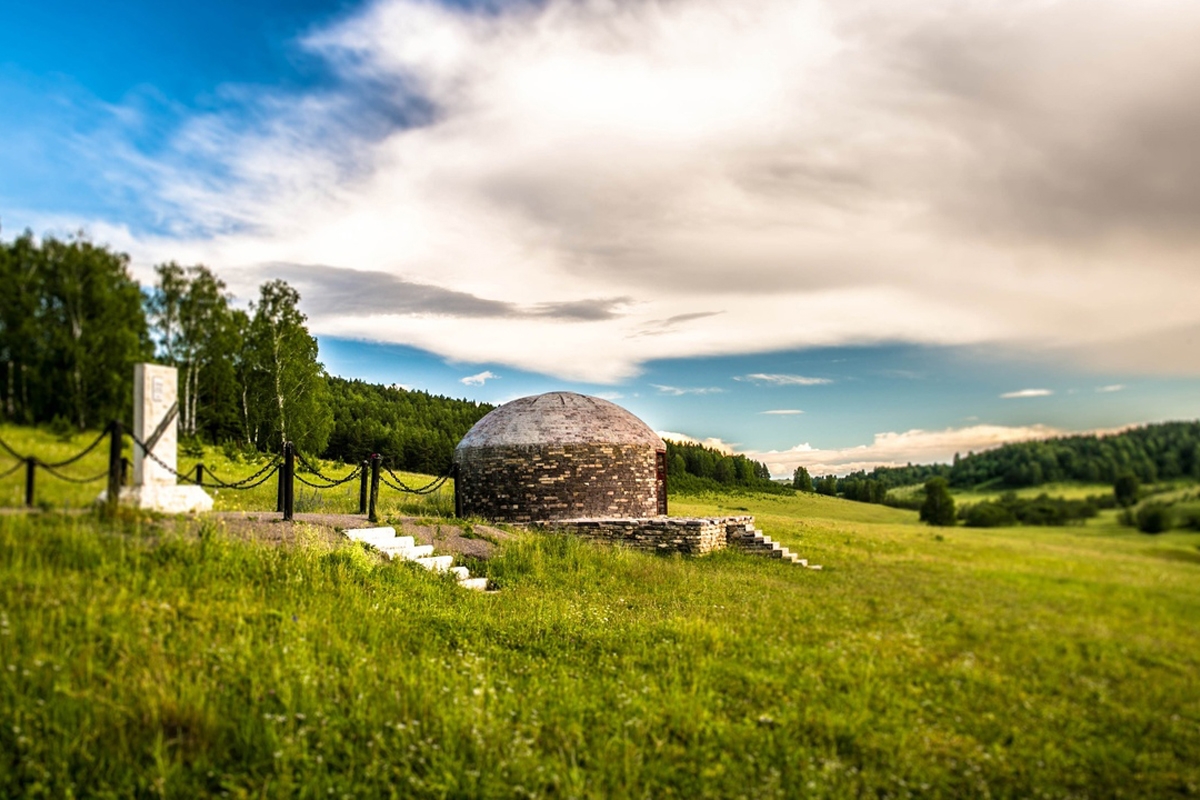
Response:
column 947, row 663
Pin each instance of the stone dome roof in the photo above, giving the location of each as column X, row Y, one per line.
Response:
column 559, row 418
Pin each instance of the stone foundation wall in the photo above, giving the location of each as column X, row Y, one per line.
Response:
column 532, row 483
column 690, row 536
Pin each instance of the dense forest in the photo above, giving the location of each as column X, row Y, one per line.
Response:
column 416, row 430
column 694, row 467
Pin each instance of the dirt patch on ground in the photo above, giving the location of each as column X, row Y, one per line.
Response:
column 447, row 537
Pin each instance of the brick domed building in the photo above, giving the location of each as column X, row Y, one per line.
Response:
column 559, row 456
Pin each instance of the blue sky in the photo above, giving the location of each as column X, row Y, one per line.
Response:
column 823, row 234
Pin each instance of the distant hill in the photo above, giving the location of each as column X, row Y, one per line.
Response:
column 1163, row 451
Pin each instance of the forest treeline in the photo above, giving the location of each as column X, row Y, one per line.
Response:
column 416, row 430
column 73, row 322
column 1163, row 451
column 1159, row 452
column 695, row 467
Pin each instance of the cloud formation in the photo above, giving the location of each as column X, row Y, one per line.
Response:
column 1024, row 393
column 897, row 449
column 783, row 412
column 783, row 380
column 479, row 379
column 679, row 391
column 642, row 181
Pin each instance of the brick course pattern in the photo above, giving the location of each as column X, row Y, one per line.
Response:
column 693, row 536
column 530, row 483
column 559, row 456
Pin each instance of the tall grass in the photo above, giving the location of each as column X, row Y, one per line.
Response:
column 137, row 662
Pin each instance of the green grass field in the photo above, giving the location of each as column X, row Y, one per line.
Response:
column 1014, row 662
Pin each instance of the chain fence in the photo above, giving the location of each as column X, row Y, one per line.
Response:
column 249, row 482
column 371, row 473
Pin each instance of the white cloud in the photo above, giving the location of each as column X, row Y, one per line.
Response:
column 1027, row 393
column 677, row 391
column 823, row 173
column 782, row 412
column 479, row 379
column 1115, row 387
column 783, row 380
column 897, row 449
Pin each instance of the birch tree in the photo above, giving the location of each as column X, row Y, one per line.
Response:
column 288, row 399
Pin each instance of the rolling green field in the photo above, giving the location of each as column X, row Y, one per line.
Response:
column 136, row 660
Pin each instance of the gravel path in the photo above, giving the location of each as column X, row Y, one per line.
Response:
column 446, row 537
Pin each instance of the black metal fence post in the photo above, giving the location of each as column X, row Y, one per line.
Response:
column 199, row 474
column 372, row 515
column 114, row 467
column 289, row 486
column 281, row 475
column 30, row 468
column 363, row 477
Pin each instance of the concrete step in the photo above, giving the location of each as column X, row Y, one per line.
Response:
column 755, row 543
column 436, row 563
column 371, row 535
column 411, row 553
column 460, row 573
column 477, row 584
column 397, row 543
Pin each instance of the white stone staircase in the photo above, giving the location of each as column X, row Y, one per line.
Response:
column 748, row 539
column 405, row 548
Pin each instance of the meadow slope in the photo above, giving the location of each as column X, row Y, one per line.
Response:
column 939, row 663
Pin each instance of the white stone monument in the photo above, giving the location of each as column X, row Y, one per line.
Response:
column 155, row 423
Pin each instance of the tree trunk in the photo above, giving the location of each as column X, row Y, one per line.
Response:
column 279, row 391
column 10, row 400
column 246, row 411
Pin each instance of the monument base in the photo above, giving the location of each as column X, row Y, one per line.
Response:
column 166, row 499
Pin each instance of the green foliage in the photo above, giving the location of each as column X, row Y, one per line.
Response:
column 1154, row 517
column 71, row 328
column 827, row 485
column 706, row 468
column 938, row 507
column 1009, row 509
column 801, row 480
column 286, row 385
column 1165, row 451
column 1125, row 489
column 412, row 430
column 200, row 334
column 987, row 515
